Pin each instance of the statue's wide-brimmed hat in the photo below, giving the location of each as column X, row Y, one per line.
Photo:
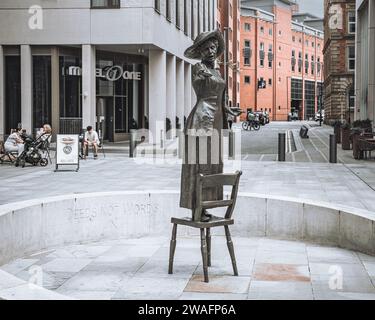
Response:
column 193, row 51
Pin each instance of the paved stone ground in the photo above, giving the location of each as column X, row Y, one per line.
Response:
column 137, row 269
column 317, row 181
column 269, row 269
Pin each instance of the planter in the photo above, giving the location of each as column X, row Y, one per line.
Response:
column 345, row 138
column 357, row 154
column 337, row 131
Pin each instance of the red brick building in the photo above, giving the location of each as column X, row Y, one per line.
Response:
column 340, row 59
column 228, row 21
column 281, row 59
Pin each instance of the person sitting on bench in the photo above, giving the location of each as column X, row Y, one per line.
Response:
column 91, row 140
column 14, row 143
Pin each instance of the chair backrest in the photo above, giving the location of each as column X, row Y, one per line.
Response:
column 217, row 181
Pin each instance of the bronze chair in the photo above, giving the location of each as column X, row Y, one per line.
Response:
column 219, row 180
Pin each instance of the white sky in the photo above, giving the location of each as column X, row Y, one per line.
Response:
column 312, row 6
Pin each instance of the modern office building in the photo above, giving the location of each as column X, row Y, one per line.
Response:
column 228, row 21
column 281, row 59
column 339, row 59
column 116, row 63
column 365, row 67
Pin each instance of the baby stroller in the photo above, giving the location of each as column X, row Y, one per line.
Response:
column 33, row 152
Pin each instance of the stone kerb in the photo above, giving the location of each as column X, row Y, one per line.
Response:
column 36, row 225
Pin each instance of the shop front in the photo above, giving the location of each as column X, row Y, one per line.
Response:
column 57, row 92
column 119, row 94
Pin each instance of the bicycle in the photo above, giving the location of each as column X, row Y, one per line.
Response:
column 251, row 124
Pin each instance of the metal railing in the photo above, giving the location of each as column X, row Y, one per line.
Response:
column 70, row 125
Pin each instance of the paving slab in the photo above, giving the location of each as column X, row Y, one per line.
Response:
column 280, row 290
column 115, row 272
column 65, row 265
column 219, row 284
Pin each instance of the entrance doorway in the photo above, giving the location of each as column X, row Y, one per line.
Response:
column 296, row 109
column 105, row 118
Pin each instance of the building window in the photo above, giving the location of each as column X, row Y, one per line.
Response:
column 270, row 32
column 293, row 60
column 106, row 4
column 41, row 90
column 247, row 52
column 247, row 27
column 351, row 58
column 312, row 65
column 247, row 80
column 300, row 62
column 351, row 22
column 262, row 30
column 270, row 81
column 270, row 56
column 261, row 54
column 70, row 88
column 294, row 38
column 309, row 99
column 306, row 63
column 12, row 81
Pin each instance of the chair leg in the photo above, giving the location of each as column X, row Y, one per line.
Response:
column 172, row 248
column 231, row 250
column 204, row 255
column 208, row 237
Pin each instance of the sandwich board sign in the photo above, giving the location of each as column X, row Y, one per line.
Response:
column 67, row 151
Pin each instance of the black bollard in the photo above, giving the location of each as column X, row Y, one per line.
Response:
column 181, row 143
column 132, row 143
column 332, row 149
column 162, row 139
column 282, row 147
column 231, row 144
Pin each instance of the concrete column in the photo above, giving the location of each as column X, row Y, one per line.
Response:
column 171, row 90
column 180, row 91
column 88, row 85
column 188, row 88
column 2, row 97
column 26, row 88
column 55, row 92
column 370, row 65
column 157, row 92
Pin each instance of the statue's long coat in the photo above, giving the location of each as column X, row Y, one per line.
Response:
column 203, row 135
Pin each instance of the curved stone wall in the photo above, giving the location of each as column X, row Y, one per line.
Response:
column 36, row 225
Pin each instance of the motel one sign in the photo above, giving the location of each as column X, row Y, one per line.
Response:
column 110, row 73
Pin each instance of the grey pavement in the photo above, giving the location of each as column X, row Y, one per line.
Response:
column 340, row 184
column 137, row 269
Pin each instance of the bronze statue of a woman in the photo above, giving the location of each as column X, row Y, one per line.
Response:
column 206, row 122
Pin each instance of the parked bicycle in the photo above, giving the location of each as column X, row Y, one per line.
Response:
column 252, row 122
